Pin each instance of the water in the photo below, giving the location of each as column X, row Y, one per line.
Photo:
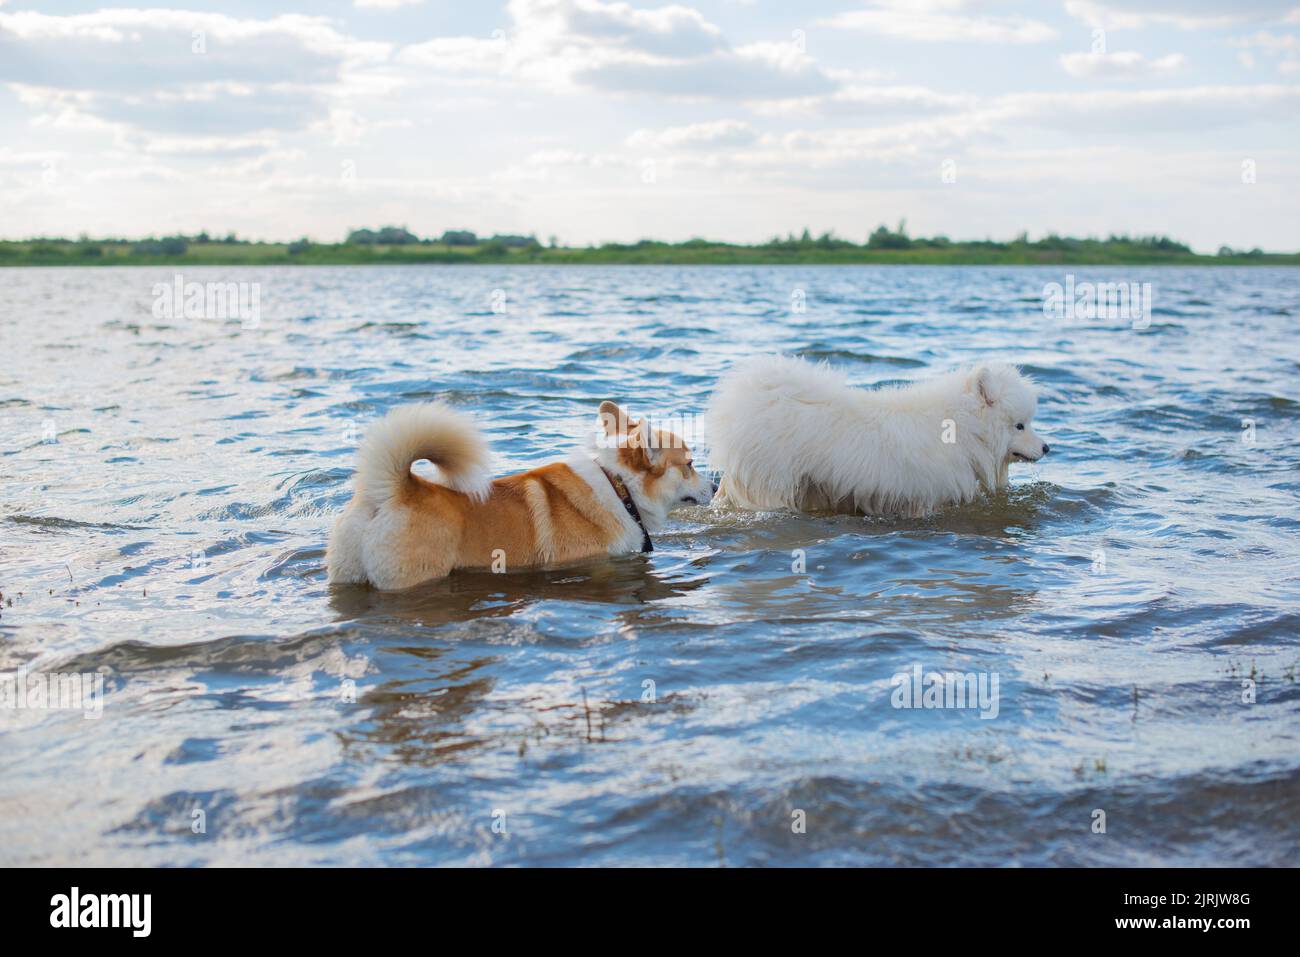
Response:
column 169, row 484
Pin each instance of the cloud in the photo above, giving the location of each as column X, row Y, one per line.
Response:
column 1120, row 65
column 384, row 4
column 572, row 45
column 1119, row 112
column 671, row 31
column 457, row 55
column 1187, row 109
column 560, row 166
column 29, row 159
column 206, row 147
column 756, row 72
column 179, row 72
column 142, row 50
column 128, row 174
column 939, row 21
column 1285, row 47
column 862, row 100
column 718, row 134
column 1185, row 14
column 1269, row 42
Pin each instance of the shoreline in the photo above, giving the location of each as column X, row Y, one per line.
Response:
column 393, row 245
column 604, row 258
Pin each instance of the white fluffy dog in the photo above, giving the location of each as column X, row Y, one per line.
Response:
column 786, row 433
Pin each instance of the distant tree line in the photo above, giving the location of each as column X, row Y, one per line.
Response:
column 401, row 236
column 882, row 237
column 399, row 244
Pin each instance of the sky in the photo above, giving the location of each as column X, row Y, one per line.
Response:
column 597, row 121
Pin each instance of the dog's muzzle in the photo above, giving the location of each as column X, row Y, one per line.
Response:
column 694, row 500
column 1025, row 458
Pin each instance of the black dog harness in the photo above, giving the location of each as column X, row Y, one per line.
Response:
column 624, row 496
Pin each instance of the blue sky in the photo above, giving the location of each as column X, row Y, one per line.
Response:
column 593, row 120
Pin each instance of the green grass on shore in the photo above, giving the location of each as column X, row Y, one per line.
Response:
column 1052, row 250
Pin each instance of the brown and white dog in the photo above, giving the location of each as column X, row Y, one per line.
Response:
column 401, row 529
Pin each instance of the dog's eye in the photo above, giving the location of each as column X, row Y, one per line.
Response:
column 1020, row 426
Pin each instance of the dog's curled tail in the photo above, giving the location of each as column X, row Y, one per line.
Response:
column 433, row 431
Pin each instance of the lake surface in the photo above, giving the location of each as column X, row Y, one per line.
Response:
column 169, row 485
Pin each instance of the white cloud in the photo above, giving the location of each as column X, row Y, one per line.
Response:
column 757, row 72
column 121, row 174
column 863, row 100
column 10, row 157
column 1187, row 109
column 142, row 50
column 566, row 46
column 457, row 55
column 572, row 45
column 668, row 31
column 384, row 4
column 1124, row 113
column 1268, row 42
column 1284, row 47
column 1185, row 14
column 205, row 146
column 717, row 134
column 671, row 50
column 1119, row 65
column 939, row 21
column 179, row 72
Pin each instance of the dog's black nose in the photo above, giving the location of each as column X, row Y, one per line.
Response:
column 715, row 487
column 1046, row 448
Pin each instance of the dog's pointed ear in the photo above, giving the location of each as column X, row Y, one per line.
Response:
column 979, row 384
column 613, row 419
column 642, row 436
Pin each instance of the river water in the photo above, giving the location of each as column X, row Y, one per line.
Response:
column 729, row 699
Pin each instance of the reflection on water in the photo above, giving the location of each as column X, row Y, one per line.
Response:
column 169, row 487
column 481, row 595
